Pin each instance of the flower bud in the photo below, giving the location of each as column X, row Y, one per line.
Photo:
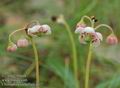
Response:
column 39, row 30
column 12, row 47
column 46, row 29
column 34, row 30
column 112, row 39
column 22, row 43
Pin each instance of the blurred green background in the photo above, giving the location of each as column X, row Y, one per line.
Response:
column 53, row 49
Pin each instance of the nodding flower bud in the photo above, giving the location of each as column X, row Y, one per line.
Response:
column 12, row 47
column 22, row 43
column 33, row 30
column 112, row 39
column 39, row 29
column 46, row 29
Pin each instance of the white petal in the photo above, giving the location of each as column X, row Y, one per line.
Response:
column 99, row 36
column 46, row 27
column 88, row 30
column 34, row 29
column 79, row 30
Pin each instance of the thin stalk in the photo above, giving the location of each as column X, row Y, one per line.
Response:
column 74, row 52
column 104, row 25
column 36, row 63
column 87, row 72
column 14, row 33
column 87, row 17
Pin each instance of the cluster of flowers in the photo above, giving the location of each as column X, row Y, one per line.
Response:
column 35, row 30
column 88, row 34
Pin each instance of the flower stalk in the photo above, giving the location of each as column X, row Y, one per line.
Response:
column 36, row 63
column 14, row 33
column 88, row 35
column 87, row 71
column 74, row 52
column 32, row 29
column 104, row 25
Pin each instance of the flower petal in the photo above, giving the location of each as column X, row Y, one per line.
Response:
column 34, row 29
column 99, row 36
column 46, row 28
column 88, row 30
column 79, row 30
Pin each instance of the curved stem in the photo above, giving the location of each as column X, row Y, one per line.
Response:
column 87, row 72
column 74, row 52
column 87, row 17
column 104, row 25
column 14, row 33
column 36, row 63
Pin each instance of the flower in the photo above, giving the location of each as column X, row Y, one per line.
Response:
column 39, row 29
column 88, row 35
column 112, row 39
column 79, row 28
column 34, row 30
column 12, row 47
column 46, row 29
column 22, row 43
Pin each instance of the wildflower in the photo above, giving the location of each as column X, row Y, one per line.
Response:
column 12, row 47
column 112, row 39
column 79, row 28
column 46, row 29
column 88, row 35
column 39, row 29
column 22, row 43
column 33, row 30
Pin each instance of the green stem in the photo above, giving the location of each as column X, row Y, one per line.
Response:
column 87, row 17
column 74, row 52
column 14, row 33
column 104, row 25
column 36, row 63
column 87, row 72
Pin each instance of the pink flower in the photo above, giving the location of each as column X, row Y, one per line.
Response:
column 39, row 29
column 12, row 48
column 79, row 28
column 112, row 39
column 89, row 35
column 34, row 30
column 22, row 43
column 45, row 29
